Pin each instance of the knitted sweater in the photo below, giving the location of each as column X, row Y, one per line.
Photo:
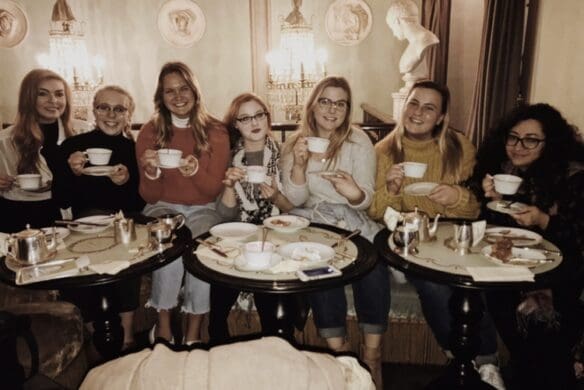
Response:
column 425, row 152
column 355, row 157
column 172, row 186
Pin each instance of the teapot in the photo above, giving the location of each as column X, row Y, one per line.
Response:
column 422, row 221
column 32, row 246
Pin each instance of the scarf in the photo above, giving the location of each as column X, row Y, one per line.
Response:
column 252, row 207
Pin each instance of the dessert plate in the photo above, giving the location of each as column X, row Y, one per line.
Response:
column 519, row 237
column 60, row 231
column 104, row 220
column 519, row 256
column 501, row 206
column 310, row 252
column 100, row 170
column 242, row 264
column 234, row 231
column 420, row 189
column 286, row 223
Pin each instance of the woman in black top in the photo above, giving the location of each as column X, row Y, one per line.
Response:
column 536, row 143
column 87, row 195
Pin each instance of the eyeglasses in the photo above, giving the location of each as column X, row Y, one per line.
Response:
column 106, row 109
column 247, row 119
column 326, row 104
column 527, row 142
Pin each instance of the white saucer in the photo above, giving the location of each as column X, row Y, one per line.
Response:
column 301, row 251
column 520, row 257
column 420, row 189
column 242, row 265
column 519, row 237
column 498, row 205
column 168, row 166
column 99, row 170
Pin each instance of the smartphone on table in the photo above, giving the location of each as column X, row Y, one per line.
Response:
column 327, row 271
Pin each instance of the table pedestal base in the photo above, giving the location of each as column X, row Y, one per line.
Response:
column 466, row 307
column 281, row 321
column 108, row 335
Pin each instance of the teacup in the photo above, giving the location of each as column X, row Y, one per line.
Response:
column 256, row 173
column 175, row 221
column 406, row 240
column 29, row 181
column 98, row 156
column 256, row 256
column 414, row 169
column 507, row 184
column 169, row 158
column 317, row 144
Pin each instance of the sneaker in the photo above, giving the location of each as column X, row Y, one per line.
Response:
column 152, row 336
column 490, row 374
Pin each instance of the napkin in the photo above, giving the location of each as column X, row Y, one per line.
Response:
column 391, row 218
column 500, row 274
column 110, row 268
column 286, row 266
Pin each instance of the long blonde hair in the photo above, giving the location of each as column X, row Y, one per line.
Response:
column 27, row 135
column 200, row 119
column 131, row 108
column 308, row 126
column 448, row 143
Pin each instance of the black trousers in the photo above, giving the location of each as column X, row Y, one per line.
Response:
column 541, row 358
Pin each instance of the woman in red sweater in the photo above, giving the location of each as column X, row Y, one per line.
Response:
column 181, row 122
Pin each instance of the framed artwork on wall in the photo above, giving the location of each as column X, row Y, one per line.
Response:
column 348, row 22
column 181, row 22
column 13, row 24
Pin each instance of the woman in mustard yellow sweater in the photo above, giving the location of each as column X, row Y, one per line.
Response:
column 422, row 135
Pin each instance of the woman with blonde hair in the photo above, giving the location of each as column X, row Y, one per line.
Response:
column 422, row 135
column 31, row 145
column 339, row 198
column 181, row 122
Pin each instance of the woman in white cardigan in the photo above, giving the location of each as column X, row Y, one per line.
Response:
column 340, row 197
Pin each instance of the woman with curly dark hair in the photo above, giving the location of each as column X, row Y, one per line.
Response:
column 536, row 143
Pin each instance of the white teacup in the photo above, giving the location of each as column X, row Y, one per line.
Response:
column 169, row 158
column 317, row 144
column 29, row 181
column 255, row 256
column 507, row 184
column 414, row 169
column 256, row 173
column 98, row 156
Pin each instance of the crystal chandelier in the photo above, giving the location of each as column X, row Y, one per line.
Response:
column 295, row 67
column 68, row 56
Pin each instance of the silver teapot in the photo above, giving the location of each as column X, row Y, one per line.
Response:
column 32, row 246
column 422, row 221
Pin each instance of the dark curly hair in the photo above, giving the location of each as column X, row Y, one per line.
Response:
column 563, row 145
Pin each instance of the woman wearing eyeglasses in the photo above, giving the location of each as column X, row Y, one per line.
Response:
column 248, row 121
column 537, row 144
column 340, row 199
column 181, row 122
column 86, row 194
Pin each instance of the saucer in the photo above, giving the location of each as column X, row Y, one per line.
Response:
column 420, row 189
column 498, row 206
column 241, row 263
column 309, row 252
column 234, row 231
column 99, row 170
column 519, row 257
column 106, row 220
column 519, row 237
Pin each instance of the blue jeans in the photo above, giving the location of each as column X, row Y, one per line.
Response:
column 167, row 281
column 434, row 298
column 372, row 300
